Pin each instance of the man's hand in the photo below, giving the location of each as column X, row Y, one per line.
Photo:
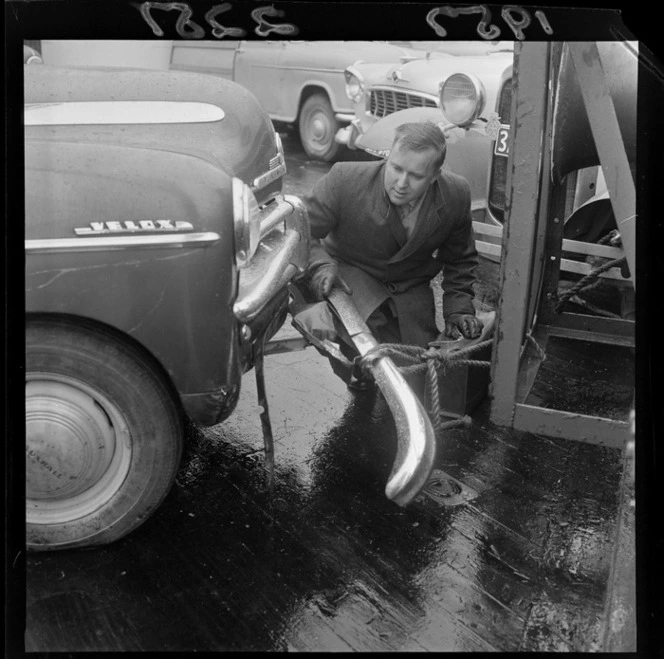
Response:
column 324, row 279
column 463, row 324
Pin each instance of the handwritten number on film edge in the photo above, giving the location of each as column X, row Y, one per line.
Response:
column 219, row 31
column 517, row 18
column 264, row 28
column 188, row 29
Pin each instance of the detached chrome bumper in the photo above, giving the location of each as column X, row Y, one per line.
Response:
column 416, row 439
column 282, row 253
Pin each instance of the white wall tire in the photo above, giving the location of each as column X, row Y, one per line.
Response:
column 104, row 436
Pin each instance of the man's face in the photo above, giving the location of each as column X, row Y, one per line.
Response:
column 409, row 173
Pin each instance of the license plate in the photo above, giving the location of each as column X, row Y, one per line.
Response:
column 501, row 147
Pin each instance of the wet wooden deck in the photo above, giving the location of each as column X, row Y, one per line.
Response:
column 324, row 562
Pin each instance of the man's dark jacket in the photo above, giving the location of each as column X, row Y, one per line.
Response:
column 360, row 229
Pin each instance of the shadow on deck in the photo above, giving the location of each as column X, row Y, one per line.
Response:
column 324, row 562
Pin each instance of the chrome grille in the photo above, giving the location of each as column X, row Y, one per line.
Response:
column 386, row 101
column 498, row 184
column 505, row 105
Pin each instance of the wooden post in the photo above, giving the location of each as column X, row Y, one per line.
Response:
column 529, row 112
column 608, row 141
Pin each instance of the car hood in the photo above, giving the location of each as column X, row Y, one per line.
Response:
column 426, row 74
column 240, row 140
column 349, row 51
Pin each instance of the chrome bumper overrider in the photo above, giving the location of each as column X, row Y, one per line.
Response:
column 416, row 439
column 349, row 134
column 282, row 253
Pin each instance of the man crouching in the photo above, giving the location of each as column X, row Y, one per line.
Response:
column 381, row 231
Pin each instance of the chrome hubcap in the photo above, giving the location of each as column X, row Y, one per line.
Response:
column 320, row 128
column 78, row 449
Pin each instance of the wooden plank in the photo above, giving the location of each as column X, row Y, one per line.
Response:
column 617, row 331
column 567, row 425
column 620, row 625
column 523, row 186
column 568, row 612
column 488, row 249
column 582, row 268
column 485, row 229
column 592, row 249
column 566, row 265
column 589, row 335
column 568, row 245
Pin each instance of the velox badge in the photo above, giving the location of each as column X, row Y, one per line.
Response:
column 134, row 226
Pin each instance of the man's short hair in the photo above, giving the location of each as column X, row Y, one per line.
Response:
column 420, row 136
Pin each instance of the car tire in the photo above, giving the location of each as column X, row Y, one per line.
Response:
column 104, row 435
column 318, row 126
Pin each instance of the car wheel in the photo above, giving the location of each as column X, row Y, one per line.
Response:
column 104, row 436
column 318, row 126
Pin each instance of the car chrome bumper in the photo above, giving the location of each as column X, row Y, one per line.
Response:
column 416, row 439
column 282, row 253
column 344, row 117
column 349, row 134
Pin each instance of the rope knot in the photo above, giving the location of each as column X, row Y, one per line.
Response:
column 430, row 354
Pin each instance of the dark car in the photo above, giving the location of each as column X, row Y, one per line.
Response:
column 158, row 250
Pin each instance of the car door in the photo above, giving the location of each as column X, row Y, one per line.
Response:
column 211, row 57
column 258, row 68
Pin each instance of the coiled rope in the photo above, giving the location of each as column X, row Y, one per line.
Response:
column 413, row 359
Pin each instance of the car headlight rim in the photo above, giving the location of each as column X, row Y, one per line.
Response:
column 462, row 98
column 246, row 221
column 354, row 85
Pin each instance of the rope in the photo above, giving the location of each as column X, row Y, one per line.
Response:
column 464, row 421
column 414, row 359
column 591, row 307
column 433, row 394
column 538, row 349
column 614, row 234
column 591, row 280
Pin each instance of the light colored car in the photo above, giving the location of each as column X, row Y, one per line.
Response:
column 470, row 84
column 297, row 82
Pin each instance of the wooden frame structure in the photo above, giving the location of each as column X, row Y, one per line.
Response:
column 532, row 241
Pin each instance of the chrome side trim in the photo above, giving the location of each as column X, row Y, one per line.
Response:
column 277, row 168
column 108, row 243
column 267, row 178
column 78, row 113
column 134, row 227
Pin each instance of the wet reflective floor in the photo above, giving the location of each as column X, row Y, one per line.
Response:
column 322, row 561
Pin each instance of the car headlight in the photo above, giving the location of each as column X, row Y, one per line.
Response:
column 31, row 56
column 354, row 85
column 462, row 98
column 247, row 223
